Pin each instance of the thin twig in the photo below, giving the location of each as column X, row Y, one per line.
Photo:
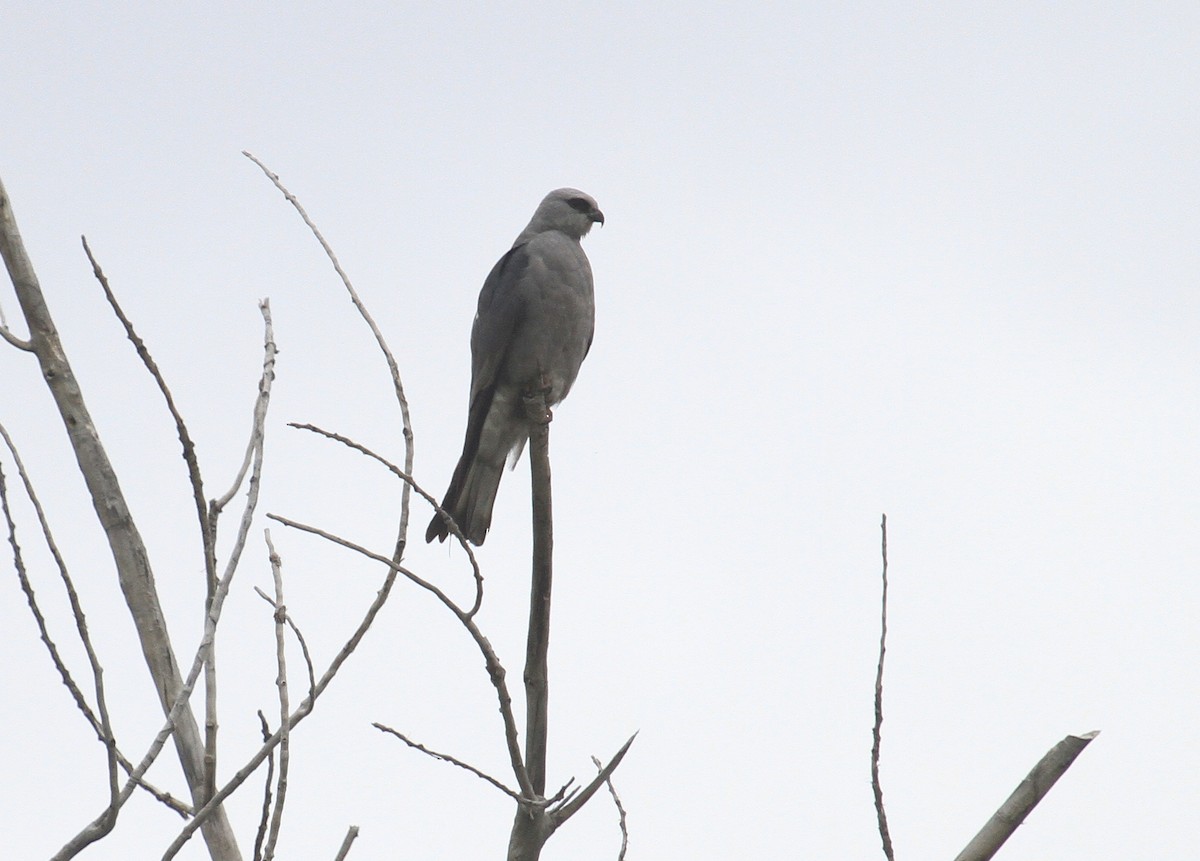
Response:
column 185, row 439
column 7, row 334
column 409, row 481
column 397, row 385
column 562, row 795
column 14, row 340
column 265, row 817
column 207, row 528
column 284, row 709
column 621, row 815
column 98, row 724
column 876, row 735
column 495, row 670
column 287, row 617
column 102, row 824
column 215, row 507
column 445, row 757
column 103, row 726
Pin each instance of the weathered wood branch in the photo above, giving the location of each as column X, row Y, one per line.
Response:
column 125, row 542
column 1025, row 797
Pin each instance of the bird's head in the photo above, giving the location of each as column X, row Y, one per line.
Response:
column 568, row 210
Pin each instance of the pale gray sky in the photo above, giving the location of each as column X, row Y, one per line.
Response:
column 939, row 262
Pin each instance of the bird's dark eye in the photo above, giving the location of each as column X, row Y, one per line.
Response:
column 579, row 204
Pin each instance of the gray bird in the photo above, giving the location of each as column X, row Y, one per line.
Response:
column 532, row 331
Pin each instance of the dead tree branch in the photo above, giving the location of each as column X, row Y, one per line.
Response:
column 445, row 757
column 284, row 710
column 351, row 835
column 185, row 439
column 409, row 481
column 207, row 526
column 180, row 703
column 308, row 661
column 265, row 817
column 1025, row 797
column 128, row 550
column 99, row 724
column 393, row 368
column 571, row 806
column 302, row 711
column 537, row 646
column 103, row 727
column 14, row 340
column 495, row 670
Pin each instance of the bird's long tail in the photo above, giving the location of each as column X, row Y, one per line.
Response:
column 469, row 500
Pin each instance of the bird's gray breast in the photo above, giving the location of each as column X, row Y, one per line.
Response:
column 557, row 316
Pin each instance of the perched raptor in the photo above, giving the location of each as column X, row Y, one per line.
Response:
column 532, row 330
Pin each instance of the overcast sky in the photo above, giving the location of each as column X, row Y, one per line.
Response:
column 938, row 262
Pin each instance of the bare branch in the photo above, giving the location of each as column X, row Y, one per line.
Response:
column 258, row 437
column 265, row 817
column 1025, row 797
column 569, row 808
column 880, row 812
column 351, row 835
column 212, row 806
column 562, row 793
column 408, row 480
column 495, row 670
column 218, row 504
column 207, row 526
column 308, row 662
column 104, row 823
column 128, row 550
column 210, row 721
column 445, row 757
column 537, row 647
column 14, row 340
column 179, row 705
column 84, row 837
column 305, row 708
column 284, row 710
column 185, row 439
column 621, row 816
column 10, row 337
column 397, row 386
column 103, row 726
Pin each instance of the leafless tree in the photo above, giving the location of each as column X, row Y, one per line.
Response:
column 538, row 815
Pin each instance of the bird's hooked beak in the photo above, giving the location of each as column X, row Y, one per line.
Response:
column 597, row 216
